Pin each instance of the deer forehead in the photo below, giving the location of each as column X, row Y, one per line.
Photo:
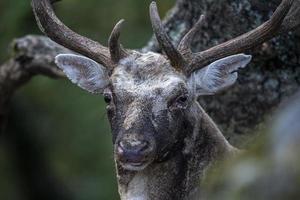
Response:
column 145, row 74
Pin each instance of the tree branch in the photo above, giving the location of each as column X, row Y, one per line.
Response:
column 30, row 56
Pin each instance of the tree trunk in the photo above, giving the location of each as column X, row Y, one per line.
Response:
column 273, row 75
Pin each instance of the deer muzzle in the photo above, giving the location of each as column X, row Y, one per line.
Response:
column 134, row 152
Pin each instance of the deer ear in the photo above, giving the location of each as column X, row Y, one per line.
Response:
column 84, row 72
column 219, row 75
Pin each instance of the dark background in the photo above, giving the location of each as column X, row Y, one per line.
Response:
column 65, row 126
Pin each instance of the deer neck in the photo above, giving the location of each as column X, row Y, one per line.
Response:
column 179, row 177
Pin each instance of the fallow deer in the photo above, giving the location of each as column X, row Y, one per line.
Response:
column 163, row 139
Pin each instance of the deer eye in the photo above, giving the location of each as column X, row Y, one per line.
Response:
column 182, row 99
column 179, row 102
column 107, row 98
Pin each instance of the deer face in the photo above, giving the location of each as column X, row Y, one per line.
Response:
column 148, row 100
column 146, row 109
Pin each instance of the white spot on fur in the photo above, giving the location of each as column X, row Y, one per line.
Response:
column 132, row 115
column 167, row 82
column 137, row 188
column 135, row 143
column 128, row 80
column 149, row 56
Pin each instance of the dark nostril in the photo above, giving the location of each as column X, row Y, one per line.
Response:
column 144, row 146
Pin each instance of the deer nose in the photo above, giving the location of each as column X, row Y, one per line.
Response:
column 135, row 152
column 135, row 146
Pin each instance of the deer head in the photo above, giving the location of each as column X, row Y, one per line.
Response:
column 150, row 96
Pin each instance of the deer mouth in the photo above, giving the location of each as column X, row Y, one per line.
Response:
column 135, row 155
column 134, row 162
column 135, row 166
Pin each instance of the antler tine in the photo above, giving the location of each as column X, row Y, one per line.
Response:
column 177, row 60
column 58, row 32
column 185, row 44
column 117, row 52
column 244, row 42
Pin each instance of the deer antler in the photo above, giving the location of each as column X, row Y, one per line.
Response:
column 185, row 44
column 181, row 58
column 116, row 50
column 60, row 33
column 183, row 55
column 173, row 54
column 244, row 42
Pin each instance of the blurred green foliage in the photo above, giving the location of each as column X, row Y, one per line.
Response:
column 71, row 123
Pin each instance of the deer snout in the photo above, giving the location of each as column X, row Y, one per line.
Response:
column 135, row 153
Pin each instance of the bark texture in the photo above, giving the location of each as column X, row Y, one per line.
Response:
column 273, row 75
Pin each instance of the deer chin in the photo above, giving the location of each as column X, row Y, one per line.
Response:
column 135, row 166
